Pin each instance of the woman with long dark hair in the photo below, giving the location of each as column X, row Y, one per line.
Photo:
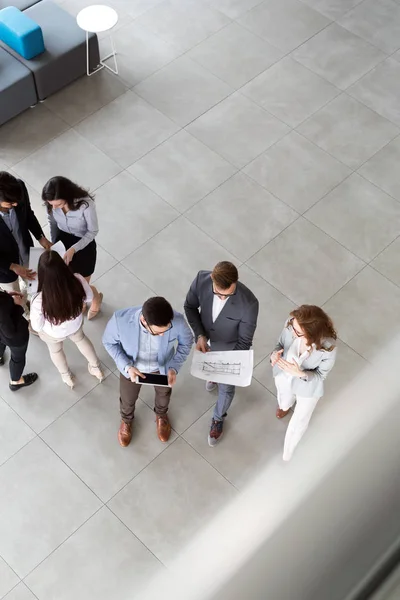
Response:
column 301, row 361
column 14, row 334
column 73, row 221
column 56, row 314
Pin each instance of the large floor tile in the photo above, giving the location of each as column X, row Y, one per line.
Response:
column 130, row 214
column 167, row 503
column 332, row 8
column 233, row 8
column 388, row 262
column 274, row 308
column 29, row 131
column 183, row 23
column 252, row 436
column 33, row 524
column 235, row 55
column 338, row 55
column 49, row 397
column 348, row 130
column 290, row 91
column 85, row 95
column 181, row 248
column 85, row 438
column 377, row 22
column 182, row 170
column 284, row 23
column 183, row 90
column 237, row 207
column 69, row 155
column 127, row 128
column 382, row 169
column 20, row 592
column 347, row 367
column 140, row 52
column 104, row 262
column 14, row 433
column 380, row 90
column 358, row 215
column 189, row 400
column 297, row 171
column 138, row 7
column 238, row 129
column 305, row 264
column 365, row 312
column 8, row 579
column 121, row 289
column 102, row 560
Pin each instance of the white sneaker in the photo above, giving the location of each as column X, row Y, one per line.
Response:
column 96, row 372
column 69, row 379
column 210, row 386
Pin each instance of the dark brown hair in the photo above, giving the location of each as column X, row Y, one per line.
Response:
column 225, row 274
column 62, row 188
column 316, row 325
column 10, row 188
column 62, row 293
column 157, row 311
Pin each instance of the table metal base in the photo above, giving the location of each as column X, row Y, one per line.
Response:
column 103, row 65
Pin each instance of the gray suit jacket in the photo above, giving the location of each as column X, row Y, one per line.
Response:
column 316, row 366
column 235, row 325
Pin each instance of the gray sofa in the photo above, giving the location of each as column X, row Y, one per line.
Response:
column 63, row 61
column 17, row 87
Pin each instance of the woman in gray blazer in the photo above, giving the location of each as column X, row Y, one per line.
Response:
column 301, row 361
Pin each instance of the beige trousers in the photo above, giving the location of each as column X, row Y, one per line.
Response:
column 57, row 354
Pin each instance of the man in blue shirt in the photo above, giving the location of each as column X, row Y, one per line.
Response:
column 152, row 338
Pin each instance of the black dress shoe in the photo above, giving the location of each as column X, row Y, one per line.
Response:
column 28, row 380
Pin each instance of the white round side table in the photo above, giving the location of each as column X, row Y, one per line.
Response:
column 95, row 19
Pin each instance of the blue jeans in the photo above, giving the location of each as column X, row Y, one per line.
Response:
column 226, row 394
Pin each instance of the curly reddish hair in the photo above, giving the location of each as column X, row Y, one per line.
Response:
column 316, row 324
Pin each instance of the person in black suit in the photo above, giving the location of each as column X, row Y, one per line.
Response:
column 223, row 314
column 14, row 333
column 17, row 223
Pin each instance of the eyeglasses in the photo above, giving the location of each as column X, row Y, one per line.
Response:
column 295, row 330
column 223, row 295
column 160, row 332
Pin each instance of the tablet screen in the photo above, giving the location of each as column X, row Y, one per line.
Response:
column 154, row 379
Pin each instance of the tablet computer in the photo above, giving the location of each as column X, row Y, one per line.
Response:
column 153, row 379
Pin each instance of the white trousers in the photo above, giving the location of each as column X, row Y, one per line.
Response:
column 300, row 419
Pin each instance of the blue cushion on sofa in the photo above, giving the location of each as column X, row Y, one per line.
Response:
column 20, row 32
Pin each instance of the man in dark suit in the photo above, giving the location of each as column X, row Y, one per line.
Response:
column 223, row 315
column 17, row 222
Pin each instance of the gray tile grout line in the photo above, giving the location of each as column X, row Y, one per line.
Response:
column 63, row 542
column 38, row 434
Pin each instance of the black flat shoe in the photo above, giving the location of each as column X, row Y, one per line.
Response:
column 1, row 361
column 28, row 380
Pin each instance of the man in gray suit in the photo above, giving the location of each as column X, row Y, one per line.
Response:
column 223, row 315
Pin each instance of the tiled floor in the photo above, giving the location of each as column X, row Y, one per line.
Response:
column 267, row 133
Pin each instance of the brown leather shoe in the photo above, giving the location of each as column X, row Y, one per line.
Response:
column 281, row 413
column 163, row 428
column 125, row 434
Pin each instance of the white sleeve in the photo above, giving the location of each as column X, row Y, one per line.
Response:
column 86, row 287
column 37, row 319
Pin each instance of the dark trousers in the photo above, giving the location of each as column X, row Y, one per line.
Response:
column 17, row 360
column 129, row 393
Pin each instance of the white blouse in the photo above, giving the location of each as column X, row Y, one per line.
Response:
column 39, row 323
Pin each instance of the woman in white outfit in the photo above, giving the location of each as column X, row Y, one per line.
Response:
column 56, row 314
column 301, row 361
